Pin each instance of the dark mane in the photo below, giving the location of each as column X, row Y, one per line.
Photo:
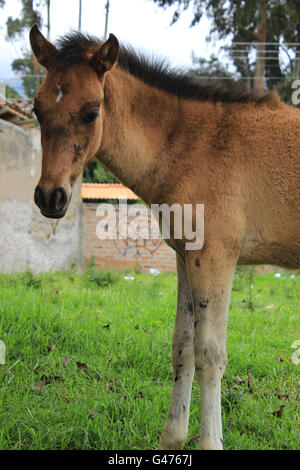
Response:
column 73, row 47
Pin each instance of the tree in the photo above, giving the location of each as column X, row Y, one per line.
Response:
column 293, row 33
column 31, row 76
column 29, row 16
column 26, row 65
column 250, row 24
column 210, row 69
column 11, row 92
column 96, row 173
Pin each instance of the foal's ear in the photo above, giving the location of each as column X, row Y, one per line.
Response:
column 43, row 50
column 106, row 55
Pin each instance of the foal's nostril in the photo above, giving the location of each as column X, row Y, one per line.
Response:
column 51, row 202
column 58, row 199
column 39, row 197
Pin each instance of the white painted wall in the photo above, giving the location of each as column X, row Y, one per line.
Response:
column 27, row 239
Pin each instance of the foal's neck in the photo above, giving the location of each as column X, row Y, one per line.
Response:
column 138, row 120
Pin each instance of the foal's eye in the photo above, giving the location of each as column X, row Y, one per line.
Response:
column 90, row 117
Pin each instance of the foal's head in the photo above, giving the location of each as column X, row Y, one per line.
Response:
column 69, row 107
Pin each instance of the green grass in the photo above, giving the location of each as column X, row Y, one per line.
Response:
column 104, row 345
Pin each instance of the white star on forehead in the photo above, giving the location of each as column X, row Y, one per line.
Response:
column 59, row 93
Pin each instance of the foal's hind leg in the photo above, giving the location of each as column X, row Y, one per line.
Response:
column 210, row 274
column 176, row 426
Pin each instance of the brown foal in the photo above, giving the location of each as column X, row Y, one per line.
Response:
column 173, row 140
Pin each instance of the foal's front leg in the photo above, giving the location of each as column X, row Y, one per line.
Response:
column 210, row 274
column 176, row 426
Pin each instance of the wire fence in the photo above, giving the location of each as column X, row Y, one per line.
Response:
column 247, row 52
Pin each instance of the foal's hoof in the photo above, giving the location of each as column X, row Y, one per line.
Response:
column 210, row 444
column 170, row 444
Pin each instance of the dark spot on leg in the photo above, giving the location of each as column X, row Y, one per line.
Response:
column 204, row 303
column 197, row 262
column 190, row 308
column 176, row 378
column 196, row 323
column 180, row 351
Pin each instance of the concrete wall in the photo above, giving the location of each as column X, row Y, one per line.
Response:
column 124, row 253
column 27, row 239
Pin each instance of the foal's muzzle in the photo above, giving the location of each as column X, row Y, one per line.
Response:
column 52, row 203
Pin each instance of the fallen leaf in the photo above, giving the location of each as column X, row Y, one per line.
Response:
column 239, row 380
column 45, row 380
column 193, row 438
column 278, row 413
column 37, row 369
column 282, row 395
column 106, row 326
column 92, row 414
column 66, row 361
column 82, row 366
column 139, row 395
column 250, row 382
column 54, row 347
column 113, row 380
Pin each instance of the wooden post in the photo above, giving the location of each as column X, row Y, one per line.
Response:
column 48, row 19
column 259, row 76
column 106, row 19
column 79, row 19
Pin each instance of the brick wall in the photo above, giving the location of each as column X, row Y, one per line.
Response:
column 124, row 253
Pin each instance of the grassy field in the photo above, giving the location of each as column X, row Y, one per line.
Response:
column 89, row 361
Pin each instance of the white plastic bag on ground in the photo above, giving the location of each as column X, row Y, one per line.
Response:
column 2, row 353
column 154, row 272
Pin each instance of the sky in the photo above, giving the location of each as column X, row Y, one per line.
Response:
column 140, row 23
